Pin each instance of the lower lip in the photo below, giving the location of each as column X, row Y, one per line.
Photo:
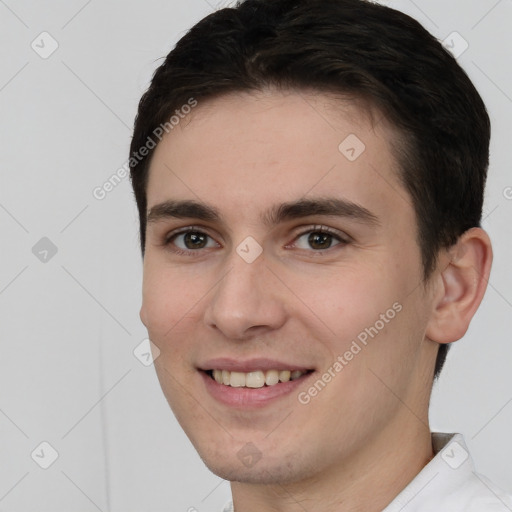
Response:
column 243, row 398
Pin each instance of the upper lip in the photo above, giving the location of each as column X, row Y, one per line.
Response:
column 249, row 365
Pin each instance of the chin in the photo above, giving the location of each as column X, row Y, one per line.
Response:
column 279, row 469
column 243, row 475
column 261, row 475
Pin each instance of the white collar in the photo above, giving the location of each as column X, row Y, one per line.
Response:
column 450, row 483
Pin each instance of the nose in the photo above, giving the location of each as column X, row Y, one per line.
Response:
column 246, row 301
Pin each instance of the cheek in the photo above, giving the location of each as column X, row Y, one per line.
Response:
column 169, row 297
column 346, row 301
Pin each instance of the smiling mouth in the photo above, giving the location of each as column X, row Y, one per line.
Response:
column 256, row 379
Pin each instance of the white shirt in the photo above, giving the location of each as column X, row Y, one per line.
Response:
column 448, row 483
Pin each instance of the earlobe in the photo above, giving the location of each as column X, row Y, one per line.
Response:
column 462, row 286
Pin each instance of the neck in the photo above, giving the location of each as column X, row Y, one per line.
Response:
column 367, row 481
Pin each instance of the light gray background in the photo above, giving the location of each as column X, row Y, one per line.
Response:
column 68, row 327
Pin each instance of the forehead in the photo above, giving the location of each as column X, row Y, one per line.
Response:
column 249, row 151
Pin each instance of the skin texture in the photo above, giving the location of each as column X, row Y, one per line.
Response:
column 367, row 429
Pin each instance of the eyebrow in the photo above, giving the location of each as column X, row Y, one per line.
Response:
column 333, row 207
column 182, row 210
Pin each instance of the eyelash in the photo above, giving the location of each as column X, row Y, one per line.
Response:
column 343, row 240
column 180, row 252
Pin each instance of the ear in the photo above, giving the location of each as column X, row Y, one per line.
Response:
column 460, row 287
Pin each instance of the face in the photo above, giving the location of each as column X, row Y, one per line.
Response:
column 283, row 285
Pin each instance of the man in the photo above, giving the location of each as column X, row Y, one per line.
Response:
column 309, row 177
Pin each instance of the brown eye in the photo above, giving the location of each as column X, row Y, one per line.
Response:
column 194, row 240
column 320, row 240
column 191, row 241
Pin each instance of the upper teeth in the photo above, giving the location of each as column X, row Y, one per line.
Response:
column 255, row 379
